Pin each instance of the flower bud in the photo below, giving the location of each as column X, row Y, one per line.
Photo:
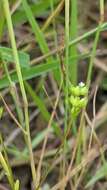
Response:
column 74, row 101
column 75, row 90
column 83, row 91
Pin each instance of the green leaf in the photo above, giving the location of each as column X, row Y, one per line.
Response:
column 7, row 55
column 29, row 73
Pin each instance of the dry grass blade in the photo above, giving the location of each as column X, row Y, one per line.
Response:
column 94, row 114
column 53, row 15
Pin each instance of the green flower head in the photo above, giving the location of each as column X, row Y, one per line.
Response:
column 78, row 98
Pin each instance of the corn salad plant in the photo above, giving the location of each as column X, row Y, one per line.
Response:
column 40, row 76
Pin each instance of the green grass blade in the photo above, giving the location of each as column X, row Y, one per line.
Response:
column 88, row 34
column 38, row 102
column 39, row 36
column 38, row 8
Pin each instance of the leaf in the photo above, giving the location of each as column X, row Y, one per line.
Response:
column 7, row 55
column 29, row 73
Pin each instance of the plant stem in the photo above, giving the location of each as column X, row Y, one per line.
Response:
column 66, row 59
column 5, row 164
column 95, row 43
column 66, row 83
column 20, row 78
column 73, row 35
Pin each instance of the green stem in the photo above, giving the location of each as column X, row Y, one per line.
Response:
column 5, row 164
column 73, row 35
column 66, row 81
column 95, row 43
column 20, row 78
column 66, row 59
column 91, row 63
